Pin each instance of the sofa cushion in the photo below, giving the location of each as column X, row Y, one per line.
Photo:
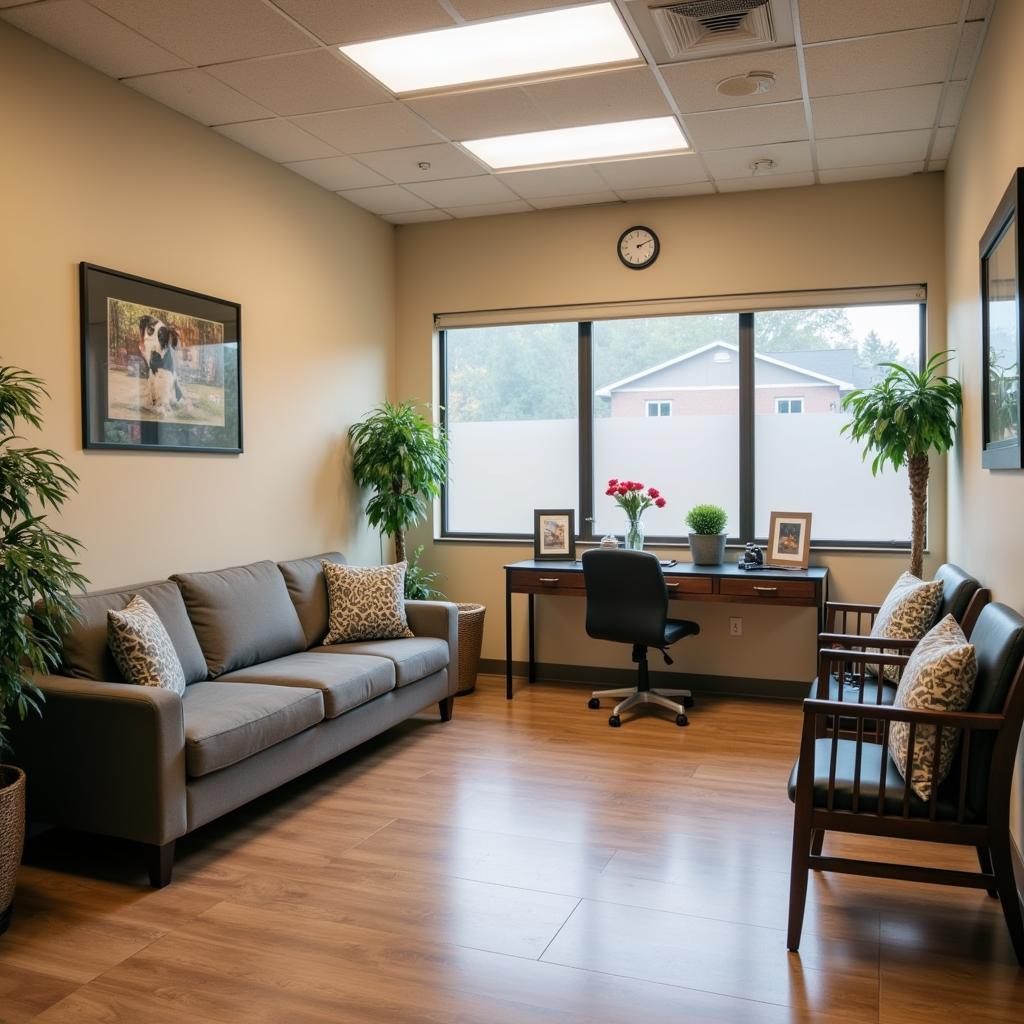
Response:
column 414, row 657
column 86, row 654
column 241, row 616
column 366, row 602
column 344, row 682
column 142, row 648
column 226, row 724
column 304, row 578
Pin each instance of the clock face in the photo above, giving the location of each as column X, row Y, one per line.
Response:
column 638, row 247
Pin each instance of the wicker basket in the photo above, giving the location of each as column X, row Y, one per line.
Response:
column 471, row 638
column 12, row 836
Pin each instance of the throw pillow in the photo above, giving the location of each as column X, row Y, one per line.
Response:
column 907, row 613
column 142, row 647
column 939, row 676
column 365, row 603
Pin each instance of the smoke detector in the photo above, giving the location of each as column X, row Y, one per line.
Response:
column 753, row 83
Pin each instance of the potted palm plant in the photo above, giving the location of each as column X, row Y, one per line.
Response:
column 900, row 420
column 707, row 534
column 37, row 575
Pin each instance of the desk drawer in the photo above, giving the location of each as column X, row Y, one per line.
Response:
column 678, row 586
column 527, row 581
column 768, row 590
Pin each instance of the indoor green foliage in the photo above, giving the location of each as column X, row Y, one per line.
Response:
column 900, row 420
column 706, row 519
column 37, row 573
column 399, row 455
column 419, row 581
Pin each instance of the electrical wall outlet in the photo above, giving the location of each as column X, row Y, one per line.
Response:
column 735, row 626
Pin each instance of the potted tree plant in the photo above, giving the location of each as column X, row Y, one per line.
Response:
column 37, row 576
column 707, row 534
column 900, row 420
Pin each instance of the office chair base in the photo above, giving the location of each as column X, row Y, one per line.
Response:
column 635, row 697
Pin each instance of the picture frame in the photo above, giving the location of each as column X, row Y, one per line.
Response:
column 161, row 366
column 554, row 535
column 789, row 540
column 1001, row 254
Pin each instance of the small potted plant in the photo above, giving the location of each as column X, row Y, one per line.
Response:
column 631, row 497
column 707, row 534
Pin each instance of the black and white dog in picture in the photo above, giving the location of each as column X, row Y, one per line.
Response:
column 157, row 342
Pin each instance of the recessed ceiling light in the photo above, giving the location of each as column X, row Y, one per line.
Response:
column 531, row 46
column 580, row 145
column 752, row 84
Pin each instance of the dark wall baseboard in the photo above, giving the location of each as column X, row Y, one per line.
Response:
column 733, row 686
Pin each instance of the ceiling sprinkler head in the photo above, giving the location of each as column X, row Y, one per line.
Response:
column 762, row 166
column 424, row 165
column 752, row 84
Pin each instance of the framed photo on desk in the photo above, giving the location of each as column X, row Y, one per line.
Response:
column 789, row 540
column 554, row 534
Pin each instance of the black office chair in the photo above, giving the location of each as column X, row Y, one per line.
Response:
column 627, row 603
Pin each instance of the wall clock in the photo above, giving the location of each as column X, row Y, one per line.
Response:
column 638, row 247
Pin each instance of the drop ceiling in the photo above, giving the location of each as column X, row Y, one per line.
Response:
column 863, row 89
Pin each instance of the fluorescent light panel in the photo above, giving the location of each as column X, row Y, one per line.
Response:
column 580, row 145
column 511, row 48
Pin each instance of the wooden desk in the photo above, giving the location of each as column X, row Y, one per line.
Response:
column 686, row 582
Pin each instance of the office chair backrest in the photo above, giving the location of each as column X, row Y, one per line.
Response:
column 626, row 597
column 958, row 587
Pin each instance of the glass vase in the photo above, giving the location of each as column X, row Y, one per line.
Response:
column 635, row 534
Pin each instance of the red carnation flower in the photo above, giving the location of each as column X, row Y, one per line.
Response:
column 653, row 492
column 660, row 503
column 611, row 490
column 613, row 482
column 622, row 489
column 637, row 486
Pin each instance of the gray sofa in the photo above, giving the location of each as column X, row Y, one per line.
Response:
column 265, row 702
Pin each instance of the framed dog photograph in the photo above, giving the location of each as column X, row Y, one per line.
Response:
column 789, row 540
column 554, row 534
column 161, row 366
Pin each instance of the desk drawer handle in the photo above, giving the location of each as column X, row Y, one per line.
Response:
column 767, row 590
column 549, row 581
column 671, row 586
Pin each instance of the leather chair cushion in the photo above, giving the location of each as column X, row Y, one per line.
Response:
column 304, row 578
column 676, row 629
column 957, row 590
column 414, row 658
column 226, row 724
column 344, row 682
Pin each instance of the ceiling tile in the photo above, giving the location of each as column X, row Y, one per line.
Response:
column 750, row 126
column 303, row 83
column 417, row 216
column 337, row 173
column 936, row 165
column 698, row 188
column 363, row 129
column 385, row 199
column 953, row 104
column 277, row 140
column 865, row 150
column 402, row 165
column 880, row 62
column 491, row 209
column 651, row 171
column 583, row 199
column 472, row 9
column 208, row 33
column 943, row 143
column 93, row 38
column 481, row 114
column 978, row 9
column 553, row 181
column 840, row 19
column 789, row 157
column 199, row 96
column 464, row 192
column 886, row 110
column 693, row 82
column 967, row 49
column 353, row 21
column 871, row 171
column 754, row 183
column 599, row 98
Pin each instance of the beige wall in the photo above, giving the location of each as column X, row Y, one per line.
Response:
column 93, row 171
column 870, row 233
column 984, row 506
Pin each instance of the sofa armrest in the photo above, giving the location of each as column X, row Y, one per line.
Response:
column 106, row 757
column 438, row 619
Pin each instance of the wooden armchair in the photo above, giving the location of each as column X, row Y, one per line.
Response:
column 853, row 785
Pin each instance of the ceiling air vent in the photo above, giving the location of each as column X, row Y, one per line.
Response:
column 694, row 26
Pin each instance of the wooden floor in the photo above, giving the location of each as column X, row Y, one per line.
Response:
column 523, row 863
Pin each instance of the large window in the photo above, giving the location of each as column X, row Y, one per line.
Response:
column 741, row 409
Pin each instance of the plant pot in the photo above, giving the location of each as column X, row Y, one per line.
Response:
column 471, row 638
column 707, row 548
column 12, row 836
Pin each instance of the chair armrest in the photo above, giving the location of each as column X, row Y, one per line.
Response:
column 886, row 712
column 856, row 640
column 834, row 610
column 438, row 619
column 106, row 757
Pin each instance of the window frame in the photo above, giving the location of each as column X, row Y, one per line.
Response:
column 585, row 433
column 789, row 410
column 659, row 402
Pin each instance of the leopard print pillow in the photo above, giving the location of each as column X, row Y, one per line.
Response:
column 142, row 647
column 366, row 603
column 939, row 676
column 907, row 613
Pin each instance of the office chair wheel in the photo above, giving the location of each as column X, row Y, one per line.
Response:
column 687, row 702
column 594, row 703
column 682, row 720
column 614, row 721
